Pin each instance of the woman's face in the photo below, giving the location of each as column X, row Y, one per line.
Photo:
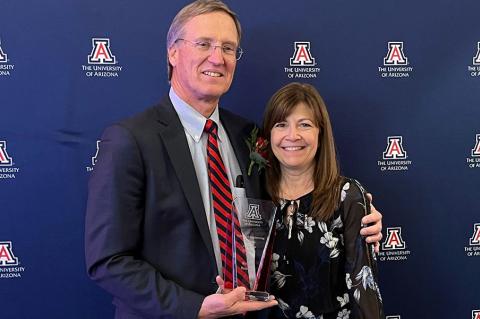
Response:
column 294, row 141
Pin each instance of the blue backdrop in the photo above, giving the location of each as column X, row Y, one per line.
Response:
column 400, row 78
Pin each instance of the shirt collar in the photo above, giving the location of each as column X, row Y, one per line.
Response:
column 193, row 121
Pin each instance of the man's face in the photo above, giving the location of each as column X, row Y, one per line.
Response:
column 201, row 77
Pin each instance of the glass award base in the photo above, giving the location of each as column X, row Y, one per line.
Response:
column 257, row 295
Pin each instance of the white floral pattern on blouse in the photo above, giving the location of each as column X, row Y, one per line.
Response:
column 324, row 269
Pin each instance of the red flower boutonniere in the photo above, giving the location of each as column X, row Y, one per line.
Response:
column 258, row 150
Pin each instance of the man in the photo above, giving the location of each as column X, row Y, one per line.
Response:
column 151, row 226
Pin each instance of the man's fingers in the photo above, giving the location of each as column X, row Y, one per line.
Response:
column 370, row 197
column 235, row 296
column 374, row 238
column 231, row 303
column 220, row 282
column 373, row 218
column 236, row 300
column 372, row 230
column 377, row 247
column 249, row 305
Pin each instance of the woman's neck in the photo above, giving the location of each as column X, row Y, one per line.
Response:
column 295, row 184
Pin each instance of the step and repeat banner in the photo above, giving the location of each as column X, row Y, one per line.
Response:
column 401, row 80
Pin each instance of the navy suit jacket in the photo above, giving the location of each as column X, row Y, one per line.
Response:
column 147, row 240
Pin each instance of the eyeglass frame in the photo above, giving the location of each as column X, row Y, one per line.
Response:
column 208, row 46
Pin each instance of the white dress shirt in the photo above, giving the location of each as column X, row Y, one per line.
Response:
column 193, row 123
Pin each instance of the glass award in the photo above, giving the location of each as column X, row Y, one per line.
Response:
column 252, row 224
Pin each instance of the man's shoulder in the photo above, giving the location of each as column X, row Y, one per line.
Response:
column 142, row 118
column 235, row 119
column 231, row 115
column 148, row 118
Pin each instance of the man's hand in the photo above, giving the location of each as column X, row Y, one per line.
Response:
column 230, row 303
column 374, row 231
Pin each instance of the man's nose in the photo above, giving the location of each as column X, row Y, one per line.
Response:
column 216, row 55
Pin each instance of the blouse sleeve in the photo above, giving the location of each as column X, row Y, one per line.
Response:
column 360, row 262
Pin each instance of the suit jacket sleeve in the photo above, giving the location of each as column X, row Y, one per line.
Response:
column 113, row 234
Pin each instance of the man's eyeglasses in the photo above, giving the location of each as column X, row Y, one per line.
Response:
column 207, row 46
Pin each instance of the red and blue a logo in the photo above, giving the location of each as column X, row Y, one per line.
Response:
column 394, row 240
column 101, row 53
column 94, row 158
column 475, row 314
column 476, row 149
column 476, row 58
column 5, row 160
column 302, row 55
column 475, row 240
column 394, row 148
column 7, row 258
column 3, row 56
column 395, row 55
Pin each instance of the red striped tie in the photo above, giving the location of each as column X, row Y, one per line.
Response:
column 234, row 273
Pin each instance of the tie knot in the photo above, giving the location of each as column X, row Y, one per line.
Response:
column 210, row 127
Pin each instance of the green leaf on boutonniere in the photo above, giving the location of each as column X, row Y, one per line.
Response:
column 257, row 145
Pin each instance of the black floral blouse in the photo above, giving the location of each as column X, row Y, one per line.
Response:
column 324, row 270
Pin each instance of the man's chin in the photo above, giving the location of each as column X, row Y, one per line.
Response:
column 215, row 93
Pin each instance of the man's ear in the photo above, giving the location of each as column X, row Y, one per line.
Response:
column 172, row 55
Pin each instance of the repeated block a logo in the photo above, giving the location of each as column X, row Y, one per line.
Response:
column 393, row 240
column 395, row 55
column 475, row 239
column 3, row 56
column 302, row 55
column 94, row 157
column 5, row 160
column 101, row 52
column 394, row 148
column 7, row 258
column 476, row 58
column 476, row 149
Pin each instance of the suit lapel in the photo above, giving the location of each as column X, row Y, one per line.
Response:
column 173, row 136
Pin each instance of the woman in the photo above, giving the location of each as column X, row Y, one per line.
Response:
column 321, row 265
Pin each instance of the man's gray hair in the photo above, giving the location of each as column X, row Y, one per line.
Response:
column 190, row 11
